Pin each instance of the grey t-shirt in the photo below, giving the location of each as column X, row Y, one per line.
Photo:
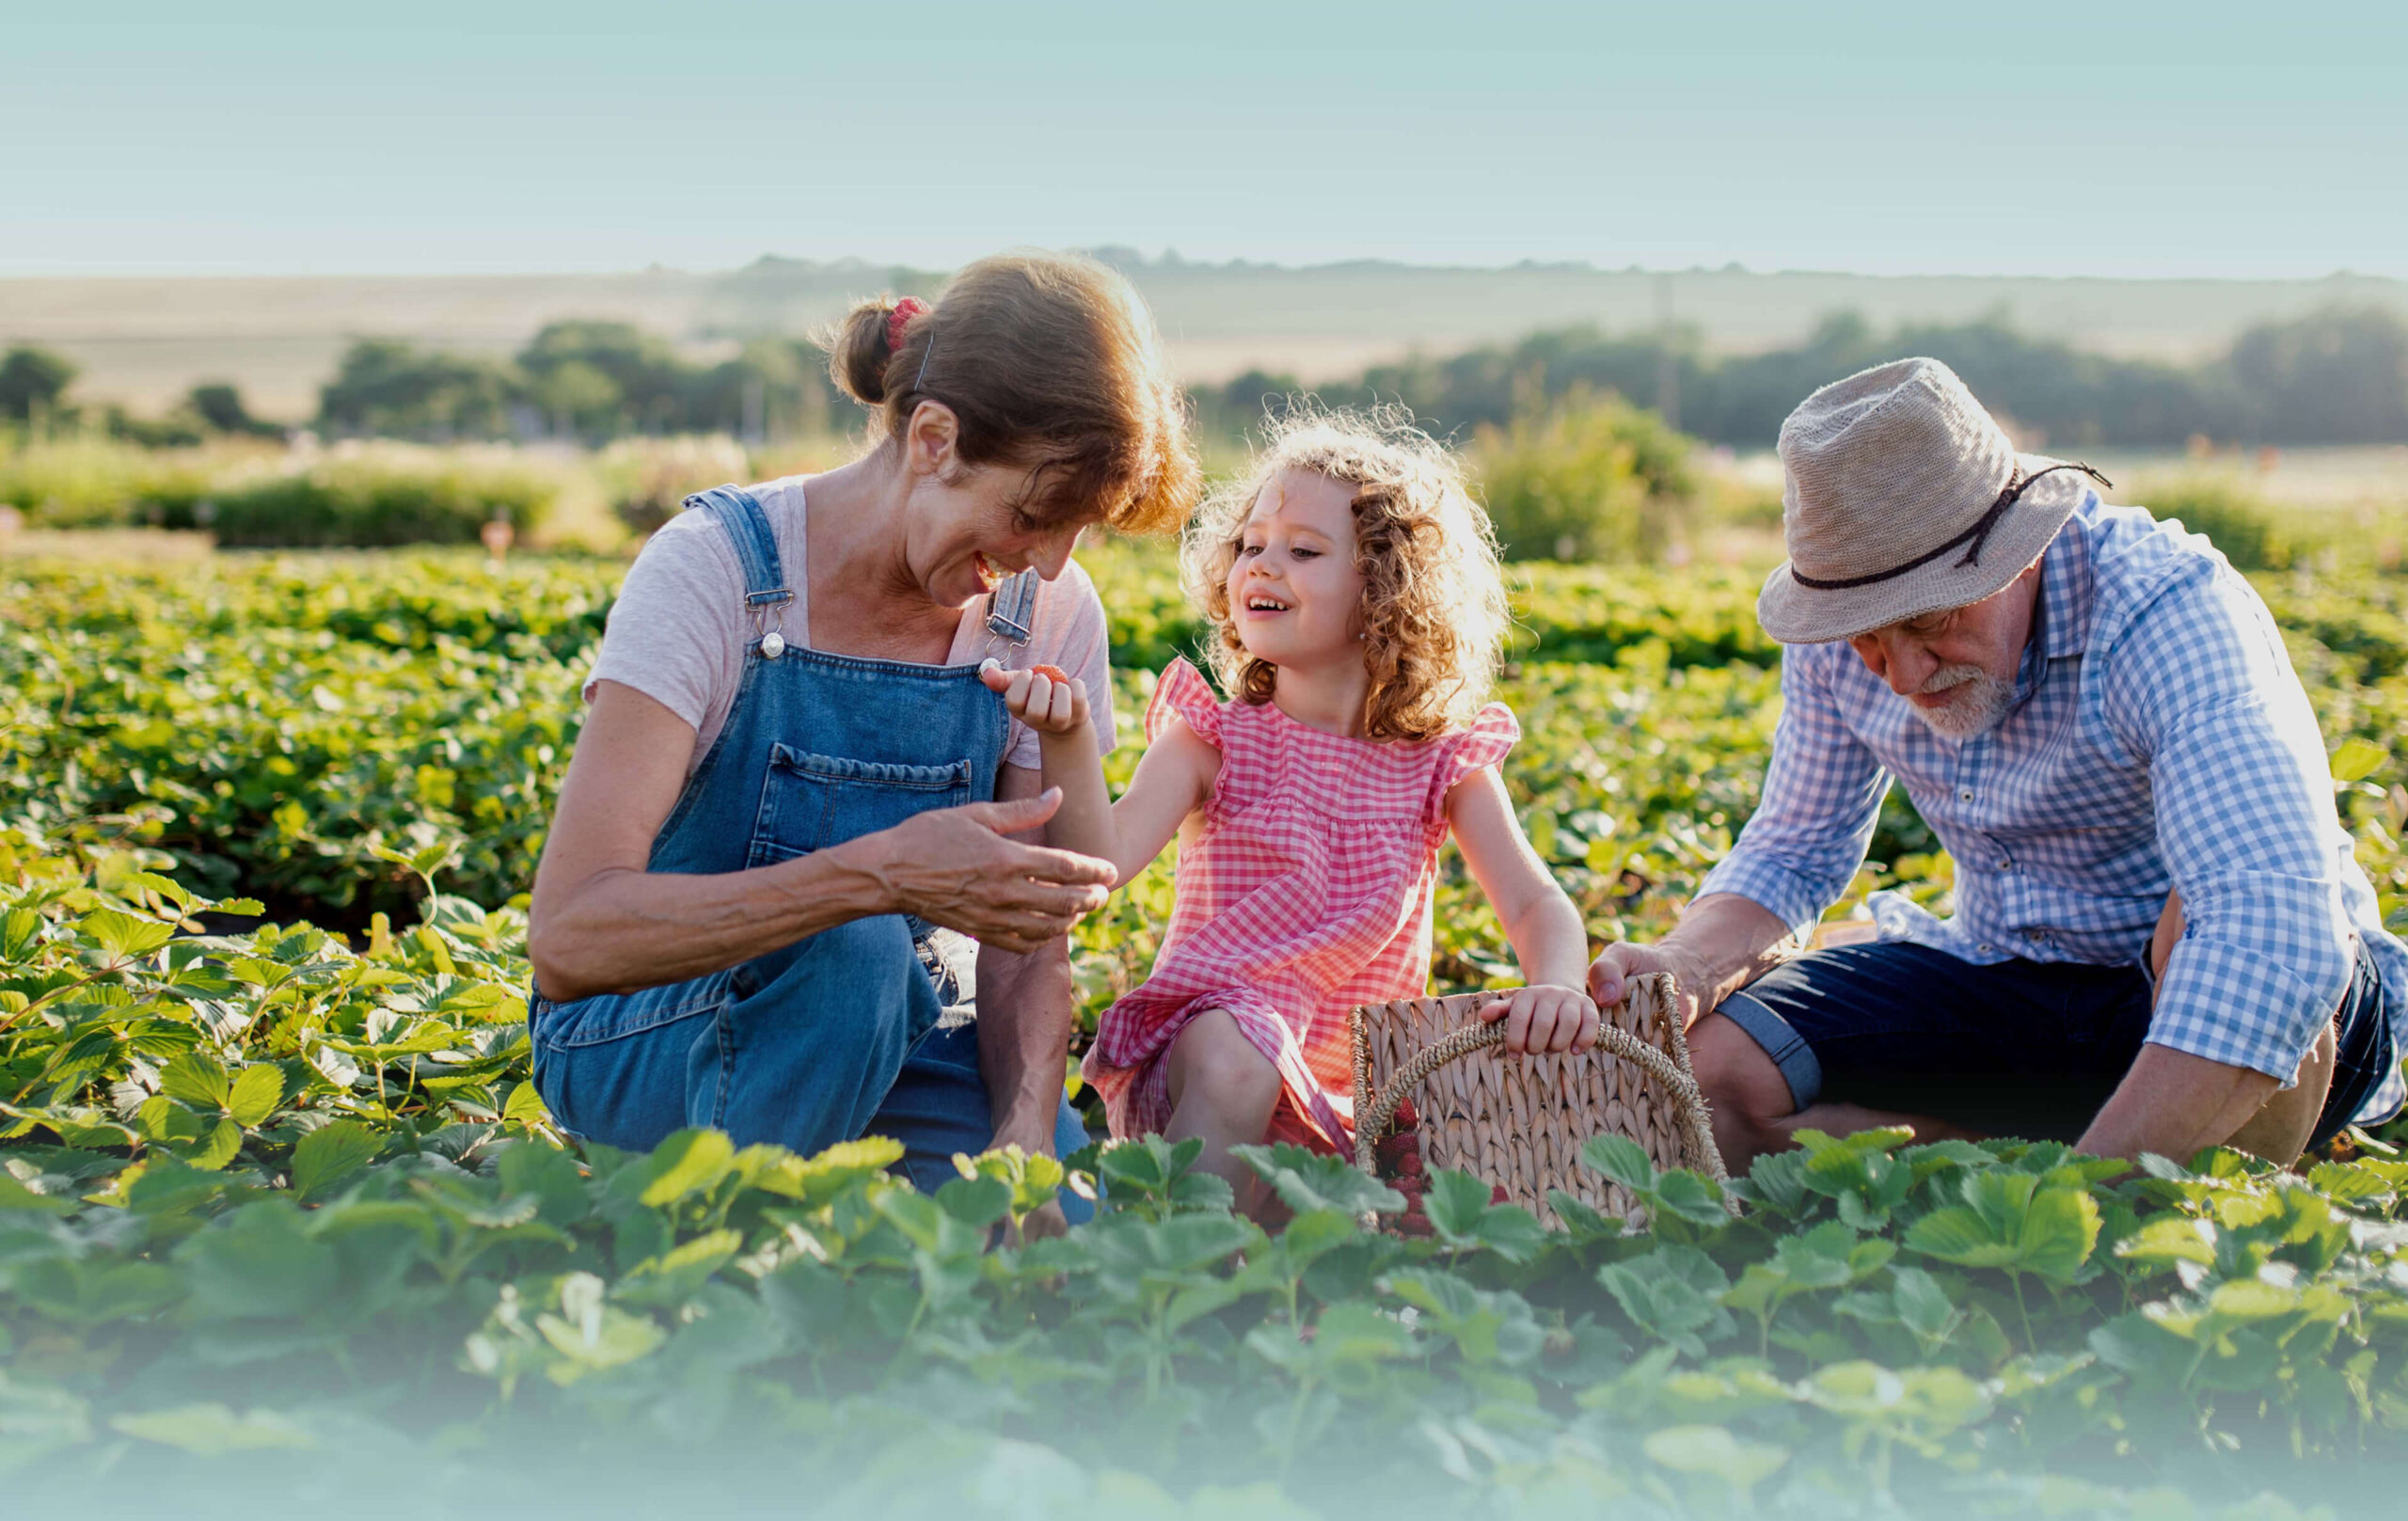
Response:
column 679, row 630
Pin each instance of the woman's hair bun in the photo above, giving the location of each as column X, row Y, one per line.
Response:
column 856, row 359
column 1049, row 364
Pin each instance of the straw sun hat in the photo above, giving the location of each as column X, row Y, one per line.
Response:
column 1900, row 497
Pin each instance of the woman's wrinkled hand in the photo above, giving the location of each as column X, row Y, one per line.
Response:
column 956, row 867
column 1544, row 1019
column 1042, row 696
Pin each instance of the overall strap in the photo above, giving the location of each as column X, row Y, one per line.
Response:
column 766, row 591
column 756, row 547
column 1011, row 607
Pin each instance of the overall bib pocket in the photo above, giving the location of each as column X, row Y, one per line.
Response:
column 810, row 802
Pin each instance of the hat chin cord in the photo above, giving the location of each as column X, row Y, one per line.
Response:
column 1972, row 538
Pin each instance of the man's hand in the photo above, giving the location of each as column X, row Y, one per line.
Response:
column 1544, row 1020
column 1722, row 943
column 1617, row 966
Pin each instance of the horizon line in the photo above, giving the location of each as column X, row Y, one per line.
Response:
column 1132, row 261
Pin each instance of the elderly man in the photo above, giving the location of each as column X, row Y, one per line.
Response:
column 2161, row 939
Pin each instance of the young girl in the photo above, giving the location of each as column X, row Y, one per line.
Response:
column 1354, row 588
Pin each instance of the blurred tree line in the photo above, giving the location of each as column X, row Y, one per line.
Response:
column 590, row 381
column 32, row 395
column 2338, row 376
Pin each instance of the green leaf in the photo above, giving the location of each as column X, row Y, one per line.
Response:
column 1673, row 1293
column 685, row 1163
column 256, row 1091
column 609, row 1338
column 1308, row 1180
column 1958, row 1235
column 1713, row 1452
column 260, row 1262
column 1622, row 1160
column 18, row 928
column 673, row 1279
column 1351, row 1335
column 1923, row 1307
column 530, row 1169
column 197, row 1078
column 2008, row 1223
column 84, row 1293
column 816, row 1179
column 1691, row 1197
column 122, row 935
column 1488, row 1327
column 525, row 1106
column 1455, row 1202
column 976, row 1201
column 1583, row 1223
column 1776, row 1180
column 2357, row 759
column 1145, row 1162
column 163, row 1185
column 16, row 1195
column 331, row 1153
column 209, row 1429
column 2058, row 1233
column 217, row 1148
column 1459, row 1208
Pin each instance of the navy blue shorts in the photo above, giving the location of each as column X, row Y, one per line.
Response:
column 2021, row 1048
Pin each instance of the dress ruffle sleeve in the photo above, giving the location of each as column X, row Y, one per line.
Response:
column 1488, row 741
column 1181, row 691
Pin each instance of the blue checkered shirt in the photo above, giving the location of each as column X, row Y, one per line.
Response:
column 2159, row 740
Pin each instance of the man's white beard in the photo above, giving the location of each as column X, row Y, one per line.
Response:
column 1977, row 700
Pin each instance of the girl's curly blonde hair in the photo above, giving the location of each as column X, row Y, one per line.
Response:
column 1434, row 614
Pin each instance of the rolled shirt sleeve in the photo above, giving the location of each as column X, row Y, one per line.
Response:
column 2202, row 690
column 1822, row 799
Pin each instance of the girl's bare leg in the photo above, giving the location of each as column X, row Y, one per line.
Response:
column 1224, row 1091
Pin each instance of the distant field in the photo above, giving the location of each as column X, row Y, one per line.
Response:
column 143, row 341
column 2310, row 478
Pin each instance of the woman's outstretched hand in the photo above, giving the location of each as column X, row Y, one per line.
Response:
column 956, row 868
column 1041, row 696
column 1544, row 1019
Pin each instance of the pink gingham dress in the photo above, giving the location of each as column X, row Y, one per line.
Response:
column 1305, row 893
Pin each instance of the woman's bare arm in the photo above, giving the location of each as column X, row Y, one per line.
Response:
column 1025, row 1003
column 601, row 922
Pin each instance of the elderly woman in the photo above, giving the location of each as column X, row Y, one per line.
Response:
column 794, row 797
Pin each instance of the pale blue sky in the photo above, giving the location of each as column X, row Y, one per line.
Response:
column 2039, row 137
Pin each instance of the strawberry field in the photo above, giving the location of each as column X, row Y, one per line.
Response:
column 283, row 1223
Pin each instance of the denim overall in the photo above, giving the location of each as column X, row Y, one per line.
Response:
column 844, row 1032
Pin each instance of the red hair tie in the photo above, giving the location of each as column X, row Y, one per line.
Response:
column 905, row 309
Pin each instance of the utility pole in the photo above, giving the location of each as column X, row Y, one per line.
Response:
column 756, row 406
column 1668, row 358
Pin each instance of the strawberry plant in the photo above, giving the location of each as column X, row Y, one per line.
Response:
column 282, row 1217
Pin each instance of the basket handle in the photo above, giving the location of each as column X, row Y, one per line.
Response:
column 1689, row 1103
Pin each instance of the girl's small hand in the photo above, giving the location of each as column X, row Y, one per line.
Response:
column 1545, row 1020
column 1041, row 697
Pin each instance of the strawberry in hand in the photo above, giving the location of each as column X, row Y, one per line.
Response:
column 1044, row 697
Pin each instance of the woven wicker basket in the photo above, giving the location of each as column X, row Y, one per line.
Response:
column 1519, row 1124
